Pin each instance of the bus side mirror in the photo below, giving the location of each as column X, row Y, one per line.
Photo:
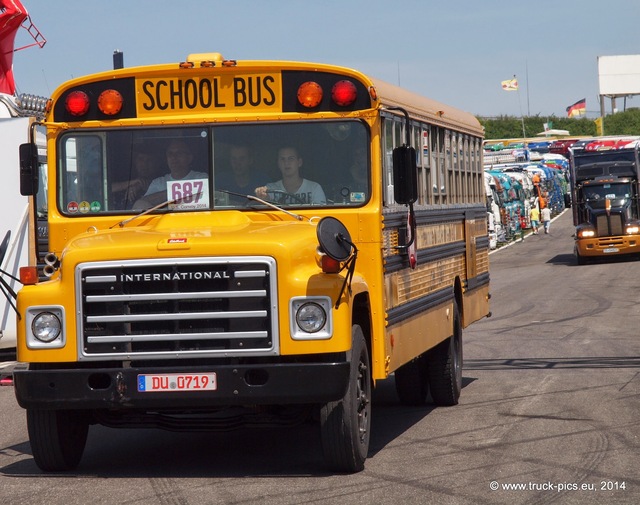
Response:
column 28, row 169
column 405, row 175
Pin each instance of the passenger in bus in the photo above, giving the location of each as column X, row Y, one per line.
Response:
column 144, row 168
column 355, row 187
column 358, row 170
column 243, row 178
column 179, row 160
column 292, row 188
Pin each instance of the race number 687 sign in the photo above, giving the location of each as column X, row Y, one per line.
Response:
column 188, row 194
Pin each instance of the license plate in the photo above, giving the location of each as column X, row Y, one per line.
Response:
column 177, row 382
column 610, row 250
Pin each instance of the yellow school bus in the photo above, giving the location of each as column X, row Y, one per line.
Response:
column 236, row 243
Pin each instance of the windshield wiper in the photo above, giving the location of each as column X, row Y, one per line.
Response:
column 260, row 200
column 122, row 223
column 154, row 208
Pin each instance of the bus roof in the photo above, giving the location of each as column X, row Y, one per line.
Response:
column 428, row 109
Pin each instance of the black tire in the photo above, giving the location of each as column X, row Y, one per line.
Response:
column 57, row 437
column 412, row 385
column 444, row 366
column 345, row 424
column 581, row 260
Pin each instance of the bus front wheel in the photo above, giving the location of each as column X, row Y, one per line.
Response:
column 345, row 424
column 581, row 260
column 57, row 437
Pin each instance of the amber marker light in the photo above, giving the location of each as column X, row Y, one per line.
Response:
column 110, row 102
column 344, row 93
column 309, row 94
column 77, row 103
column 28, row 275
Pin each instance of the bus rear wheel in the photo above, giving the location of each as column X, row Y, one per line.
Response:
column 412, row 385
column 444, row 366
column 345, row 425
column 57, row 437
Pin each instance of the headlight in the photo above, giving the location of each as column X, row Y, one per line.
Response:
column 46, row 327
column 632, row 230
column 310, row 317
column 586, row 233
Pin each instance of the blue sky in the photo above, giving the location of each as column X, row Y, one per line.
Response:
column 456, row 52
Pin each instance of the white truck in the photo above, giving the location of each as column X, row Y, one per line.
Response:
column 14, row 231
column 18, row 242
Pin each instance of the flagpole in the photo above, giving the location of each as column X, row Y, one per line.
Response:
column 512, row 85
column 524, row 135
column 527, row 76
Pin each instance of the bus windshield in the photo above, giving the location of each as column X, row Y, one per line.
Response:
column 214, row 167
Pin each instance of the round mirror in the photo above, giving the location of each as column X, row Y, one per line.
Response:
column 334, row 238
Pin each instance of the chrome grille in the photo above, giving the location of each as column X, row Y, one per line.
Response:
column 609, row 225
column 195, row 307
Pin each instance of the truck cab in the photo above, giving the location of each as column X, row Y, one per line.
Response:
column 606, row 214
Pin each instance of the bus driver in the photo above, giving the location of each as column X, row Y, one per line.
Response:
column 179, row 160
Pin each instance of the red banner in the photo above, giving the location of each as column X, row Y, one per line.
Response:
column 12, row 14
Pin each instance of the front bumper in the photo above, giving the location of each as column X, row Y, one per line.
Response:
column 608, row 246
column 117, row 388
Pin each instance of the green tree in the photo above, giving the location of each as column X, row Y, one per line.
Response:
column 510, row 127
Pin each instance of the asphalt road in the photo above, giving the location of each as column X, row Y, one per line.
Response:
column 548, row 414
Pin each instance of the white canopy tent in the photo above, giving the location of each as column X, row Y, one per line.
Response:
column 555, row 133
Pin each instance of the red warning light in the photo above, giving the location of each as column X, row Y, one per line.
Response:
column 344, row 93
column 77, row 103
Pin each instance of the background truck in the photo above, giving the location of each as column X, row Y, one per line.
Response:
column 14, row 231
column 17, row 112
column 17, row 238
column 604, row 186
